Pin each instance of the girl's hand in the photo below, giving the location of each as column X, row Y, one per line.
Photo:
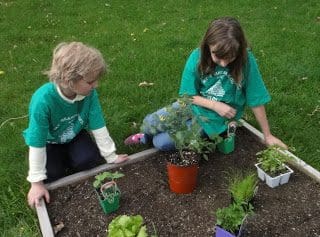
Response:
column 221, row 108
column 36, row 192
column 224, row 110
column 121, row 158
column 271, row 140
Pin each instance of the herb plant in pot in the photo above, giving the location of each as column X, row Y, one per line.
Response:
column 107, row 190
column 229, row 220
column 182, row 164
column 243, row 188
column 271, row 166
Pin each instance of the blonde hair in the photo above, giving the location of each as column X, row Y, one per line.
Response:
column 72, row 61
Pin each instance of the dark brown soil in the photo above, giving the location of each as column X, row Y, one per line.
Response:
column 292, row 209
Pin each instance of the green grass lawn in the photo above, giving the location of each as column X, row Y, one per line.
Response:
column 150, row 41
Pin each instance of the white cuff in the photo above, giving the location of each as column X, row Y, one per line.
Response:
column 37, row 164
column 105, row 144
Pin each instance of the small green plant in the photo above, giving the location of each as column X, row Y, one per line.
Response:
column 106, row 186
column 101, row 178
column 231, row 218
column 242, row 187
column 272, row 160
column 128, row 226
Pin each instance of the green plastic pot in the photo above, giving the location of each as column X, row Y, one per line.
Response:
column 109, row 197
column 227, row 145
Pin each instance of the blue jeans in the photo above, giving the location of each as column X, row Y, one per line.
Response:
column 161, row 140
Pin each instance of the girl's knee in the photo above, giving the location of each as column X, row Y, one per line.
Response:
column 163, row 142
column 55, row 174
column 88, row 160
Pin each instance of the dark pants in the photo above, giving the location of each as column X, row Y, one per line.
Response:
column 79, row 154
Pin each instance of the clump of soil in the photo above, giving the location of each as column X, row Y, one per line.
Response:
column 289, row 210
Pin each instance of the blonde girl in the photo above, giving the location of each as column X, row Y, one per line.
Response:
column 61, row 113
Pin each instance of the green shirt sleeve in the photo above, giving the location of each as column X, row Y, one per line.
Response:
column 255, row 89
column 36, row 134
column 190, row 75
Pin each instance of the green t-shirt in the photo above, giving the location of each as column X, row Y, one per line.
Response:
column 221, row 87
column 56, row 121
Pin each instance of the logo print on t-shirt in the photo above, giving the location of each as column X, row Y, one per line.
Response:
column 216, row 90
column 67, row 135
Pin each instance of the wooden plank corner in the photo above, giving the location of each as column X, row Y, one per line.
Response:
column 43, row 217
column 44, row 221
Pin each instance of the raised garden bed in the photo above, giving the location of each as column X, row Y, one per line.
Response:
column 288, row 210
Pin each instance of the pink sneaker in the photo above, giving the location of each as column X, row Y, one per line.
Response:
column 134, row 139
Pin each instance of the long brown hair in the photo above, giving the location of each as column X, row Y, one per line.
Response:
column 227, row 36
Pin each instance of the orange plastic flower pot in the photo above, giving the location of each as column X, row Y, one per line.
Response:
column 182, row 179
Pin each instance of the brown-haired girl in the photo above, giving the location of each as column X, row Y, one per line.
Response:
column 222, row 77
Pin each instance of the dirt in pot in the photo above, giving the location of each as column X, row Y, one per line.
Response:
column 189, row 157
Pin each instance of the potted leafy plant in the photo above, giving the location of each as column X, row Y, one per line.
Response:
column 243, row 188
column 128, row 226
column 271, row 166
column 107, row 190
column 229, row 220
column 186, row 133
